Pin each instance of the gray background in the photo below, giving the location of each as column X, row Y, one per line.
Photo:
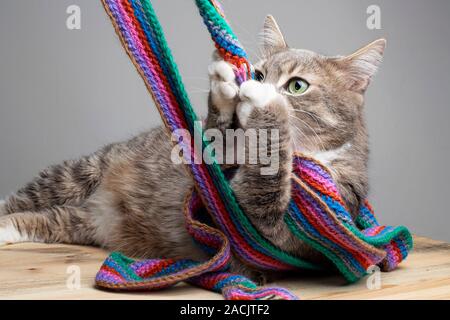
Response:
column 64, row 93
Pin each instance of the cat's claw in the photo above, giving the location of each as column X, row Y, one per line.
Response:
column 254, row 94
column 223, row 83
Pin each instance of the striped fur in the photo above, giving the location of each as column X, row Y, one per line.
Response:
column 129, row 196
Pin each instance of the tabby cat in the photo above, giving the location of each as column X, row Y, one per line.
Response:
column 129, row 196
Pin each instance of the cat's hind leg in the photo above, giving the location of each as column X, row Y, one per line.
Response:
column 2, row 208
column 69, row 183
column 63, row 224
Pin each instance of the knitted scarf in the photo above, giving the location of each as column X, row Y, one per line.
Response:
column 316, row 214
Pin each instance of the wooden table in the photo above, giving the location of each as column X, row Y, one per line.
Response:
column 41, row 271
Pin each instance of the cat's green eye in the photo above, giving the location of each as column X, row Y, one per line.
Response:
column 297, row 86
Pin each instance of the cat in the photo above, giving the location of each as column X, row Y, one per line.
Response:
column 129, row 196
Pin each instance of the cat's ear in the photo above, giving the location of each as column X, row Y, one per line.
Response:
column 362, row 65
column 271, row 38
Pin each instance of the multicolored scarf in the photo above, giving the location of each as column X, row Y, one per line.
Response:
column 316, row 215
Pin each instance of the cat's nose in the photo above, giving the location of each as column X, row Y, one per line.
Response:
column 256, row 93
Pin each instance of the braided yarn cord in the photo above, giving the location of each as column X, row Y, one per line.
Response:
column 316, row 213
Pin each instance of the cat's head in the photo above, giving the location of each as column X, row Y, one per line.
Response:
column 325, row 94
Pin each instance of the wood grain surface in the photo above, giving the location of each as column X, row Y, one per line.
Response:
column 43, row 271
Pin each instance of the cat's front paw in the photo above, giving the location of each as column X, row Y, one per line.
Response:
column 255, row 95
column 224, row 89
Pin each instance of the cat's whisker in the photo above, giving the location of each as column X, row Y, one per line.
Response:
column 318, row 119
column 302, row 135
column 198, row 90
column 243, row 29
column 317, row 138
column 206, row 79
column 294, row 140
column 255, row 53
